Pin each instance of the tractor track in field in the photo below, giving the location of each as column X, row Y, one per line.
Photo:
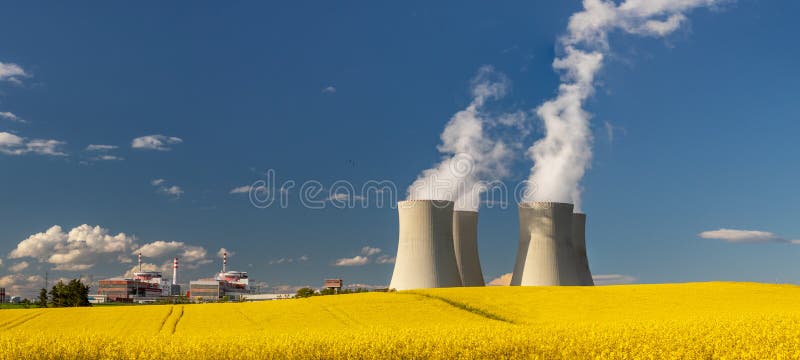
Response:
column 166, row 317
column 17, row 322
column 177, row 321
column 249, row 319
column 464, row 307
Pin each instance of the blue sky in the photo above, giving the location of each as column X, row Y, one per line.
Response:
column 704, row 125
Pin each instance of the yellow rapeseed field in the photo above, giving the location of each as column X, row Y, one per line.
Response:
column 694, row 321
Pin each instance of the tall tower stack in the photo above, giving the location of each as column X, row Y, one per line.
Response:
column 579, row 245
column 175, row 271
column 545, row 256
column 140, row 262
column 425, row 252
column 465, row 243
column 224, row 261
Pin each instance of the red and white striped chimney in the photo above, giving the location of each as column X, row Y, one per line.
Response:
column 175, row 271
column 140, row 262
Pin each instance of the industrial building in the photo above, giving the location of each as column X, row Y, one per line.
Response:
column 233, row 284
column 551, row 244
column 465, row 243
column 144, row 286
column 425, row 251
column 129, row 290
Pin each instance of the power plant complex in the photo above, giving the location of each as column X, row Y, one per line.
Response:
column 151, row 286
column 438, row 246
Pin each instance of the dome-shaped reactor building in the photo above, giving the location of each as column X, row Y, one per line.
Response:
column 545, row 256
column 425, row 251
column 465, row 243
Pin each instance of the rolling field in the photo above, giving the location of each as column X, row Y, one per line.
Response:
column 700, row 320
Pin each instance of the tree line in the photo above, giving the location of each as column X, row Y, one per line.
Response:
column 72, row 294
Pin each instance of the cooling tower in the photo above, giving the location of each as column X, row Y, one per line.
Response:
column 465, row 244
column 545, row 255
column 579, row 245
column 425, row 253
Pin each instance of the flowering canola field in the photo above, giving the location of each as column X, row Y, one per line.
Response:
column 698, row 320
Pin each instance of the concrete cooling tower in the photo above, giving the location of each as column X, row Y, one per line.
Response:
column 545, row 256
column 425, row 253
column 465, row 243
column 579, row 245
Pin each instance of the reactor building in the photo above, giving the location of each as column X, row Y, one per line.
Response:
column 143, row 286
column 425, row 252
column 465, row 243
column 552, row 246
column 233, row 284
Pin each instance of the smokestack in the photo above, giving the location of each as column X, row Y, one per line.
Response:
column 175, row 271
column 224, row 261
column 140, row 262
column 425, row 253
column 545, row 256
column 579, row 245
column 465, row 244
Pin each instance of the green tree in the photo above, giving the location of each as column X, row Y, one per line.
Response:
column 74, row 293
column 327, row 291
column 304, row 293
column 42, row 298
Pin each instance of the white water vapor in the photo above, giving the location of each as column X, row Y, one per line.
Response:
column 469, row 154
column 562, row 156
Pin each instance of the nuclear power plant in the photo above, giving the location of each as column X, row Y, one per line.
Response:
column 552, row 248
column 425, row 252
column 438, row 247
column 465, row 242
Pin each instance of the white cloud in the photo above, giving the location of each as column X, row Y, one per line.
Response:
column 613, row 279
column 94, row 147
column 345, row 197
column 108, row 158
column 173, row 190
column 353, row 261
column 166, row 189
column 11, row 144
column 189, row 255
column 502, row 280
column 18, row 267
column 145, row 267
column 369, row 251
column 79, row 249
column 12, row 73
column 303, row 258
column 744, row 236
column 329, row 90
column 11, row 117
column 241, row 189
column 22, row 285
column 155, row 142
column 283, row 260
column 222, row 251
column 385, row 259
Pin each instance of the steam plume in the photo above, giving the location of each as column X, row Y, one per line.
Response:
column 469, row 155
column 563, row 155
